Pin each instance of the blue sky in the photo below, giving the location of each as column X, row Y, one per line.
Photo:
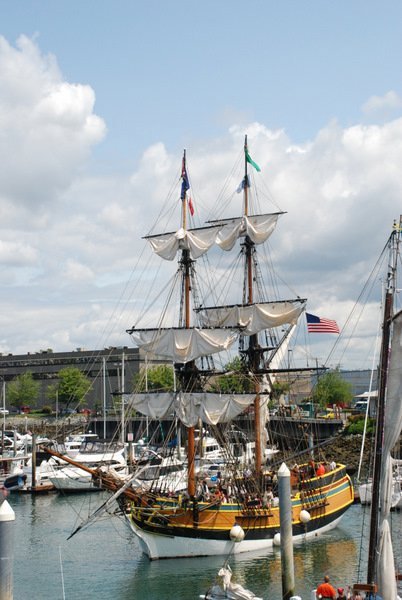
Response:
column 179, row 71
column 97, row 101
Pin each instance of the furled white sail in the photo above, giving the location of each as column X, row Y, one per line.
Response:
column 197, row 241
column 211, row 408
column 157, row 405
column 392, row 431
column 183, row 345
column 257, row 227
column 254, row 317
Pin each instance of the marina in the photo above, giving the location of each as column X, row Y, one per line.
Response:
column 201, row 330
column 248, row 505
column 105, row 560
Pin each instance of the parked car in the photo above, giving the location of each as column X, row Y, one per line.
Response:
column 361, row 406
column 4, row 411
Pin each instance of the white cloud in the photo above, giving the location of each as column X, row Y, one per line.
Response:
column 47, row 125
column 76, row 272
column 17, row 253
column 378, row 104
column 74, row 267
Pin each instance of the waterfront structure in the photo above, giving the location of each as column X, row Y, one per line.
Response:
column 104, row 368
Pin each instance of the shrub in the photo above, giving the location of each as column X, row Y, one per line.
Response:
column 356, row 425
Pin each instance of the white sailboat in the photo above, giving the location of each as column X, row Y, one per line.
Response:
column 381, row 579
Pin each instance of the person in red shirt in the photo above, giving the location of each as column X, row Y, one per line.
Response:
column 325, row 590
column 320, row 470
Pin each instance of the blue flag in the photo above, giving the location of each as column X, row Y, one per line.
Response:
column 184, row 184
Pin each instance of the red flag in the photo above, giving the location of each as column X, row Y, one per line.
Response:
column 190, row 206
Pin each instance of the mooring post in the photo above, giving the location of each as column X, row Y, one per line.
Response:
column 33, row 464
column 285, row 518
column 7, row 519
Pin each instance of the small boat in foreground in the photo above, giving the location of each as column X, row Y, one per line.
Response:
column 227, row 589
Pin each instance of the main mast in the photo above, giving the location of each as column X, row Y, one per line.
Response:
column 253, row 354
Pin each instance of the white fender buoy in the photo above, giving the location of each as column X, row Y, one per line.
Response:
column 277, row 539
column 304, row 516
column 237, row 533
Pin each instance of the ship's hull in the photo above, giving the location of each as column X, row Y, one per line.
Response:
column 168, row 529
column 158, row 545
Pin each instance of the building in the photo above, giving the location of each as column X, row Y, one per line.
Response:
column 360, row 381
column 104, row 368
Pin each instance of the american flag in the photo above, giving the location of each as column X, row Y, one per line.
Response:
column 320, row 325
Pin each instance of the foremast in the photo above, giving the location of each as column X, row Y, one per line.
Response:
column 188, row 374
column 184, row 344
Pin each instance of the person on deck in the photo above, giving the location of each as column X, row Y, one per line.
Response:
column 326, row 590
column 341, row 594
column 320, row 470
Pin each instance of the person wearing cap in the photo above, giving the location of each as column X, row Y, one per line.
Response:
column 326, row 590
column 341, row 594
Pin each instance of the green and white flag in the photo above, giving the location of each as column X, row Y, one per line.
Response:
column 250, row 160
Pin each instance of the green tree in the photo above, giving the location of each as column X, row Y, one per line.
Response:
column 23, row 390
column 331, row 388
column 72, row 387
column 235, row 380
column 278, row 389
column 157, row 378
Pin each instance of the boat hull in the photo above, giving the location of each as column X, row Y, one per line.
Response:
column 170, row 529
column 159, row 545
column 73, row 480
column 365, row 493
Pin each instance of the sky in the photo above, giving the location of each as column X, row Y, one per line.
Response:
column 97, row 102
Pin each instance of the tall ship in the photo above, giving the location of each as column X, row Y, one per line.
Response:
column 240, row 511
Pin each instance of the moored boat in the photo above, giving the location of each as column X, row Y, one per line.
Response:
column 240, row 513
column 381, row 580
column 242, row 506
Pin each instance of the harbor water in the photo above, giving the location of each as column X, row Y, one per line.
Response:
column 104, row 561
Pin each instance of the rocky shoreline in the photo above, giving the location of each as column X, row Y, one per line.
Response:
column 346, row 449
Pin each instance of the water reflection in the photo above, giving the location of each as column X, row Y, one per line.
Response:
column 104, row 561
column 259, row 572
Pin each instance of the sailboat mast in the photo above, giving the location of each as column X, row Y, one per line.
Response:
column 253, row 343
column 186, row 264
column 383, row 374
